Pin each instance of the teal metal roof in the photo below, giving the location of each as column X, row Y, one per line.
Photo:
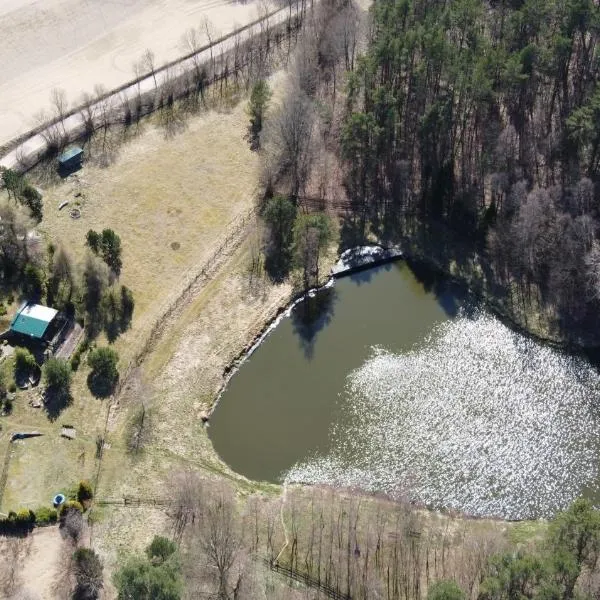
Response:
column 33, row 320
column 67, row 155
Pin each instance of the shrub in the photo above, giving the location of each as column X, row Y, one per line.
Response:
column 24, row 362
column 71, row 520
column 84, row 491
column 127, row 306
column 45, row 516
column 33, row 200
column 70, row 505
column 107, row 245
column 2, row 384
column 76, row 358
column 143, row 578
column 88, row 574
column 8, row 405
column 12, row 387
column 92, row 240
column 445, row 590
column 25, row 516
column 57, row 375
column 160, row 549
column 18, row 523
column 104, row 375
column 33, row 282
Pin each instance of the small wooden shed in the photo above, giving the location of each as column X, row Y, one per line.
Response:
column 71, row 159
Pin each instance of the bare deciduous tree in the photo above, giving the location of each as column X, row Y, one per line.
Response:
column 88, row 116
column 149, row 63
column 289, row 141
column 219, row 537
column 71, row 525
column 58, row 100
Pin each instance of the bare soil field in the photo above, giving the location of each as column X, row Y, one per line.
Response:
column 32, row 567
column 76, row 45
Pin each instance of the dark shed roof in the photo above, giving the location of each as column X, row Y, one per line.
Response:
column 71, row 155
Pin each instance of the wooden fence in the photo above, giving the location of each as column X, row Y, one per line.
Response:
column 308, row 581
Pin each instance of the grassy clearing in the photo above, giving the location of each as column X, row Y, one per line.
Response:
column 161, row 193
column 181, row 190
column 186, row 370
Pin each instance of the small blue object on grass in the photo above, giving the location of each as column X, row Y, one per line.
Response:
column 58, row 500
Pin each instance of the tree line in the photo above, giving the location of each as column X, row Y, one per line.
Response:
column 179, row 88
column 481, row 117
column 234, row 546
column 294, row 138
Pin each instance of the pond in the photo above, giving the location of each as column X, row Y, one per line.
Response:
column 394, row 382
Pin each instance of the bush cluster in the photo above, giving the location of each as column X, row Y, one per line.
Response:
column 70, row 505
column 24, row 362
column 45, row 516
column 107, row 245
column 18, row 523
column 104, row 375
column 84, row 492
column 81, row 350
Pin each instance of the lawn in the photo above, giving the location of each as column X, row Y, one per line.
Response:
column 170, row 198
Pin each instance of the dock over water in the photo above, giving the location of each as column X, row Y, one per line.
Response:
column 364, row 257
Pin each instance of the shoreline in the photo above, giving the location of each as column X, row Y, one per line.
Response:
column 284, row 311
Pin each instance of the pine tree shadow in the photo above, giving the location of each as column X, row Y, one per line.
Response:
column 101, row 387
column 311, row 316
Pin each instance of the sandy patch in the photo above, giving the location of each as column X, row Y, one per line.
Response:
column 37, row 559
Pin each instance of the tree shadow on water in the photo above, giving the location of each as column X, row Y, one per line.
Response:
column 452, row 297
column 366, row 275
column 311, row 316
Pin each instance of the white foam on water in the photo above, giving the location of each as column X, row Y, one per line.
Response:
column 477, row 418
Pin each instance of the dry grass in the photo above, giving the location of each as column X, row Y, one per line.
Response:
column 31, row 567
column 186, row 369
column 160, row 190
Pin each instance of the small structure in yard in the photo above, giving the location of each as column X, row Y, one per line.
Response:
column 68, row 432
column 58, row 500
column 35, row 322
column 70, row 160
column 19, row 435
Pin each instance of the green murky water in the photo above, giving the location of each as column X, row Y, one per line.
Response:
column 387, row 382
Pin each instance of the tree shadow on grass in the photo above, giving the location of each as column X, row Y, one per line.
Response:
column 55, row 401
column 278, row 266
column 101, row 386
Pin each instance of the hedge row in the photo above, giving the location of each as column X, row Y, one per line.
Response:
column 23, row 521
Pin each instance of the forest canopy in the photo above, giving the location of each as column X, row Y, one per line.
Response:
column 483, row 118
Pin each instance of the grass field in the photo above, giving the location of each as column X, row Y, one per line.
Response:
column 171, row 200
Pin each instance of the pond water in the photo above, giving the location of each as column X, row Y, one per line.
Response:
column 393, row 382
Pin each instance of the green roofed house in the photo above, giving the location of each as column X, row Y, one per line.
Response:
column 33, row 321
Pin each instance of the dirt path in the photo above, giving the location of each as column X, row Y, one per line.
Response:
column 31, row 567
